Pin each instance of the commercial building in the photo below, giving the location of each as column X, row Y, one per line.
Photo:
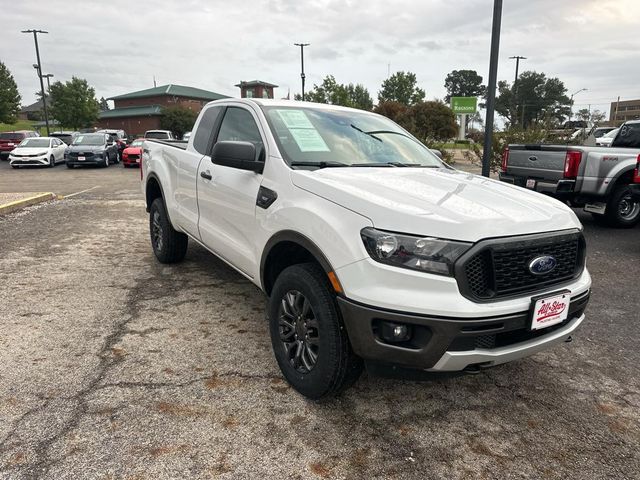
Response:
column 624, row 110
column 137, row 112
column 256, row 89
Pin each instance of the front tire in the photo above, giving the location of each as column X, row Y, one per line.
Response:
column 622, row 211
column 52, row 161
column 308, row 336
column 106, row 160
column 169, row 245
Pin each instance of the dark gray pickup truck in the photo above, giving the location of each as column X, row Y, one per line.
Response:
column 598, row 179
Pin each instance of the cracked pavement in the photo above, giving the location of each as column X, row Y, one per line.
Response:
column 113, row 366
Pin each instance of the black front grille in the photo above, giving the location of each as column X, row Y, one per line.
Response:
column 500, row 268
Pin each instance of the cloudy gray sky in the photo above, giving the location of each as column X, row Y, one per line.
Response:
column 118, row 46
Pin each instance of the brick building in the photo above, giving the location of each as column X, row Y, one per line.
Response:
column 256, row 89
column 140, row 111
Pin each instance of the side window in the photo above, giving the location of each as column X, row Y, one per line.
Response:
column 238, row 125
column 205, row 129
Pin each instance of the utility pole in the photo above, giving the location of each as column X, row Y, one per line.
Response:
column 44, row 98
column 515, row 86
column 302, row 77
column 493, row 80
column 48, row 76
column 517, row 59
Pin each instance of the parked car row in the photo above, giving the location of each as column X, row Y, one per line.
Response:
column 97, row 149
column 75, row 148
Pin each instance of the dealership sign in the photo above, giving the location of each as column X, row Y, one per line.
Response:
column 464, row 105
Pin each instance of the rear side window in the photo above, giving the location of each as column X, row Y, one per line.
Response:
column 205, row 129
column 628, row 136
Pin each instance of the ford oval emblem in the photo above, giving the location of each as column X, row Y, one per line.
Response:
column 542, row 265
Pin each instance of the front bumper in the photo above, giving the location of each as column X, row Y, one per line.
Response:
column 557, row 188
column 453, row 344
column 33, row 161
column 94, row 161
column 635, row 191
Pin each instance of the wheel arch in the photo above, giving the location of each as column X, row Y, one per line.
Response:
column 153, row 190
column 623, row 177
column 287, row 248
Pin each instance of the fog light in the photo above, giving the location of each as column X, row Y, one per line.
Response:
column 395, row 332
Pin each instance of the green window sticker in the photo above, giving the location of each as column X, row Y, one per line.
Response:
column 309, row 140
column 295, row 119
column 302, row 130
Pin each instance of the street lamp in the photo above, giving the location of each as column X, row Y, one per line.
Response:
column 572, row 95
column 302, row 45
column 39, row 65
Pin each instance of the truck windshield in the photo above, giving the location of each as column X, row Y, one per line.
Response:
column 628, row 136
column 317, row 137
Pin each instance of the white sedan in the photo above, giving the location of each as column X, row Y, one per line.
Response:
column 38, row 151
column 607, row 139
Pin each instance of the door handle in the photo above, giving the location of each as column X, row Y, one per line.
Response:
column 206, row 175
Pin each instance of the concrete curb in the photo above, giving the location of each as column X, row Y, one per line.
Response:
column 25, row 202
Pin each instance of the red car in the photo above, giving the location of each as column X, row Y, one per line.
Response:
column 10, row 140
column 132, row 155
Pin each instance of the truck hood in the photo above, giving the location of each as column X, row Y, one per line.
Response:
column 437, row 202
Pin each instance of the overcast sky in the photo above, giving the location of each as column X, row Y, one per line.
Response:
column 118, row 46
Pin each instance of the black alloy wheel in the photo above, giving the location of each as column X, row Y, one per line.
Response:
column 299, row 332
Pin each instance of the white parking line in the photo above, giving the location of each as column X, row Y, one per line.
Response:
column 81, row 191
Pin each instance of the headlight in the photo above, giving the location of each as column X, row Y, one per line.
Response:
column 426, row 254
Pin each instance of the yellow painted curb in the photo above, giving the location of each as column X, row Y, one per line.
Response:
column 25, row 202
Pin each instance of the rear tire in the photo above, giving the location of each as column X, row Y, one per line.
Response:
column 169, row 245
column 69, row 165
column 622, row 212
column 311, row 334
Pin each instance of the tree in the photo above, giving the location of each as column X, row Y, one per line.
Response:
column 401, row 87
column 534, row 99
column 428, row 121
column 334, row 93
column 104, row 105
column 464, row 83
column 74, row 103
column 178, row 119
column 433, row 120
column 9, row 96
column 595, row 116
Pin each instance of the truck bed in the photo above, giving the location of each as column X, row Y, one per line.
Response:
column 181, row 144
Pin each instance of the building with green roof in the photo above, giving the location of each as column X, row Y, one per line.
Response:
column 137, row 112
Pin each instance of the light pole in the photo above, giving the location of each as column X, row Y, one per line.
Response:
column 491, row 92
column 302, row 45
column 572, row 95
column 44, row 100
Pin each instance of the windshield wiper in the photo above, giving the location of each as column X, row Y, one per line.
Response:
column 318, row 164
column 366, row 133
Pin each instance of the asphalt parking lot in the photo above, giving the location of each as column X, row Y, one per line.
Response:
column 114, row 366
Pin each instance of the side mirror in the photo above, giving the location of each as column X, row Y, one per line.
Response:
column 240, row 155
column 437, row 153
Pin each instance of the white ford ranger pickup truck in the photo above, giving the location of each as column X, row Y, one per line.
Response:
column 368, row 247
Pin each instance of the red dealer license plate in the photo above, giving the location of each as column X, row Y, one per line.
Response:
column 550, row 310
